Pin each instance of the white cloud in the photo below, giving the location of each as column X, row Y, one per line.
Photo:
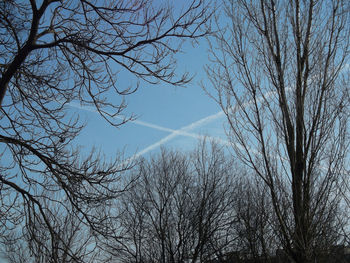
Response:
column 184, row 131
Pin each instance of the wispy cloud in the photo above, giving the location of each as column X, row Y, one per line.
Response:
column 184, row 131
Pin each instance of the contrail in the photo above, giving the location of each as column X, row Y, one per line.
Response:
column 121, row 117
column 173, row 133
column 185, row 130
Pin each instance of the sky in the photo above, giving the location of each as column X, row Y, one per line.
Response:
column 168, row 116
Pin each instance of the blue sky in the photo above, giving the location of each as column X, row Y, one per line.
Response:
column 171, row 116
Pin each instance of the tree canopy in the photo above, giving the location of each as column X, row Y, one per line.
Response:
column 280, row 73
column 53, row 53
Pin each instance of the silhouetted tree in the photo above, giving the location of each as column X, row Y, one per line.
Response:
column 53, row 53
column 34, row 241
column 179, row 210
column 280, row 73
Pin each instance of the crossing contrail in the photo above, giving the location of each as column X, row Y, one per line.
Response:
column 184, row 131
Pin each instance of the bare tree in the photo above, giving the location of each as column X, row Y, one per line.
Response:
column 213, row 199
column 53, row 53
column 255, row 225
column 179, row 210
column 33, row 243
column 280, row 73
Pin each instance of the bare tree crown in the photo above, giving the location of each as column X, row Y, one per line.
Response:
column 279, row 73
column 53, row 53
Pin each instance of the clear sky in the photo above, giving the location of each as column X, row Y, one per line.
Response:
column 166, row 115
